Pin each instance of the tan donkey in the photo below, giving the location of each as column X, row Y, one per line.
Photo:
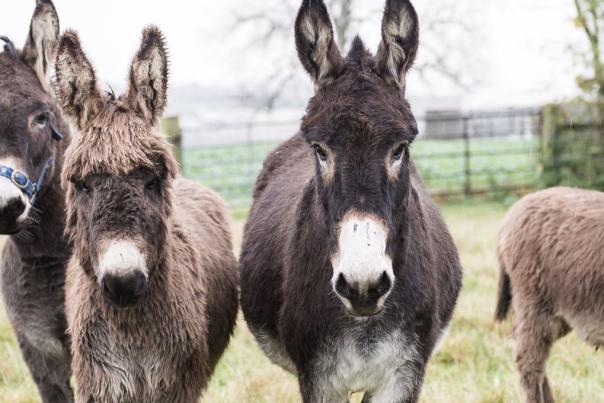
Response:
column 151, row 291
column 551, row 254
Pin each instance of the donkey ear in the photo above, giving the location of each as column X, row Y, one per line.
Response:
column 76, row 81
column 39, row 50
column 315, row 43
column 400, row 40
column 148, row 87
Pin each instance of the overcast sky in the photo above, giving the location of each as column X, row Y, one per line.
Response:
column 524, row 46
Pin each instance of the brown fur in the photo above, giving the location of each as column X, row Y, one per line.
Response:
column 551, row 252
column 121, row 182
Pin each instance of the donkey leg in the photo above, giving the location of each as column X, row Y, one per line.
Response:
column 403, row 387
column 533, row 342
column 388, row 397
column 50, row 371
column 320, row 392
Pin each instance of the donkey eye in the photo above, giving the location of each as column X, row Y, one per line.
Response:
column 153, row 184
column 398, row 153
column 321, row 153
column 82, row 187
column 41, row 121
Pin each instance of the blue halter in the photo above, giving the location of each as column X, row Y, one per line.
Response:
column 22, row 181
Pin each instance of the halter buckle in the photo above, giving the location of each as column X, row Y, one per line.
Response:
column 15, row 179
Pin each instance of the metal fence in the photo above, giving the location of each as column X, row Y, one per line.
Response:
column 457, row 153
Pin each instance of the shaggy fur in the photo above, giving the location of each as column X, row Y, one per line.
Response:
column 341, row 162
column 120, row 180
column 551, row 257
column 35, row 257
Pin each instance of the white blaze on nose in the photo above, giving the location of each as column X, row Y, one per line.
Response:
column 9, row 191
column 120, row 258
column 361, row 255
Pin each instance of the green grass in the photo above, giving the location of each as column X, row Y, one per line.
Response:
column 475, row 364
column 496, row 164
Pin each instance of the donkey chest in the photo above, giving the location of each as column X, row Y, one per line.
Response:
column 353, row 365
column 136, row 370
column 135, row 373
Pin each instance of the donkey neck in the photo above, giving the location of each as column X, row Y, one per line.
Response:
column 311, row 223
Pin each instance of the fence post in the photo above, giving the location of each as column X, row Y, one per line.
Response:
column 552, row 122
column 467, row 157
column 170, row 127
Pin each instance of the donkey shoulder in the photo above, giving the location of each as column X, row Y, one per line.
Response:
column 194, row 202
column 201, row 219
column 287, row 152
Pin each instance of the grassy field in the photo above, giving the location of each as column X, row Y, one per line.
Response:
column 475, row 364
column 495, row 164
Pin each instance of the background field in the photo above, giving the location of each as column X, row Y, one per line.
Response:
column 475, row 365
column 492, row 165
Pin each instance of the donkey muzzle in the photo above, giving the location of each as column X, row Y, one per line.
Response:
column 363, row 275
column 123, row 273
column 14, row 207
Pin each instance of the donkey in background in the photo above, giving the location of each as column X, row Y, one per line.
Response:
column 349, row 276
column 151, row 292
column 551, row 255
column 32, row 205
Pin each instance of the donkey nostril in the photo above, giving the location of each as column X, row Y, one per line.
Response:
column 343, row 288
column 13, row 209
column 385, row 284
column 111, row 286
column 139, row 282
column 382, row 287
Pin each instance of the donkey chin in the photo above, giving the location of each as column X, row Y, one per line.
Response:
column 14, row 207
column 122, row 273
column 363, row 276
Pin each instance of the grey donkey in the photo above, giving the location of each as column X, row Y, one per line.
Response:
column 32, row 205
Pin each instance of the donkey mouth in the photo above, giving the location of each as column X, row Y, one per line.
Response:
column 361, row 310
column 365, row 312
column 10, row 229
column 123, row 302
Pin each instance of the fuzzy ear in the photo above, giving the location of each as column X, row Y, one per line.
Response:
column 76, row 81
column 400, row 40
column 39, row 50
column 148, row 86
column 315, row 43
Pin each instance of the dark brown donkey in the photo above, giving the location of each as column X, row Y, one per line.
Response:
column 551, row 255
column 32, row 205
column 348, row 273
column 151, row 291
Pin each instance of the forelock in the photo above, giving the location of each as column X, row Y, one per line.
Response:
column 358, row 53
column 114, row 143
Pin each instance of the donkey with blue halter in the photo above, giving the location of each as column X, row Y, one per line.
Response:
column 32, row 205
column 22, row 181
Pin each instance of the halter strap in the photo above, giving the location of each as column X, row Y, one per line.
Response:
column 22, row 181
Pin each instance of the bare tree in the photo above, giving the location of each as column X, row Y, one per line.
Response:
column 590, row 18
column 447, row 51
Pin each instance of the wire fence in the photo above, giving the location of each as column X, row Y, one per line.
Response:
column 458, row 154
